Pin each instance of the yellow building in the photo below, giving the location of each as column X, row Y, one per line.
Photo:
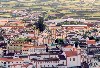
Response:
column 17, row 46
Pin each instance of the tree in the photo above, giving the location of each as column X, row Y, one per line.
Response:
column 40, row 25
column 85, row 65
column 28, row 40
column 91, row 38
column 85, row 36
column 76, row 43
column 95, row 30
column 21, row 39
column 1, row 38
column 97, row 39
column 72, row 22
column 56, row 41
column 59, row 41
column 58, row 24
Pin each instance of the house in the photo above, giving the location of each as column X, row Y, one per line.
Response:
column 43, row 55
column 30, row 65
column 83, row 43
column 22, row 65
column 40, row 40
column 6, row 28
column 5, row 62
column 29, row 34
column 60, row 33
column 71, row 34
column 91, row 42
column 75, row 27
column 73, row 40
column 25, row 50
column 49, row 62
column 73, row 59
column 1, row 52
column 37, row 49
column 68, row 48
column 17, row 46
column 3, row 21
column 45, row 39
column 55, row 50
column 73, row 55
column 15, row 63
column 34, row 40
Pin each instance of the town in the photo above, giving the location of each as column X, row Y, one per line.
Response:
column 49, row 34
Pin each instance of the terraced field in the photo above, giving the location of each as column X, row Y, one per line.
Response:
column 87, row 9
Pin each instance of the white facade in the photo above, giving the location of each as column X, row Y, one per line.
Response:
column 7, row 63
column 1, row 52
column 22, row 66
column 39, row 64
column 37, row 50
column 40, row 41
column 74, row 61
column 25, row 52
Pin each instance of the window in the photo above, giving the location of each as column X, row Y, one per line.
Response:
column 8, row 65
column 63, row 62
column 4, row 62
column 70, row 59
column 73, row 59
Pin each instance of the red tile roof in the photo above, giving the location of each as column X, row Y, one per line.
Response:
column 69, row 46
column 10, row 60
column 26, row 65
column 91, row 42
column 71, row 53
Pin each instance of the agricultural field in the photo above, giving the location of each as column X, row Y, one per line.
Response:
column 72, row 8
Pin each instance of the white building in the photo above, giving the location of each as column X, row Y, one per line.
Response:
column 1, row 52
column 37, row 49
column 8, row 62
column 48, row 63
column 73, row 56
column 73, row 59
